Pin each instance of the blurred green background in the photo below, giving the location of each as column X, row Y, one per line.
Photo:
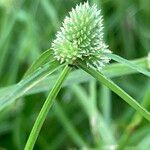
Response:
column 27, row 28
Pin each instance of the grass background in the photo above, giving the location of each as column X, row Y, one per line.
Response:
column 27, row 28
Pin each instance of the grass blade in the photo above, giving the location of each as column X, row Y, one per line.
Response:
column 135, row 122
column 128, row 63
column 41, row 85
column 41, row 68
column 26, row 84
column 111, row 85
column 43, row 59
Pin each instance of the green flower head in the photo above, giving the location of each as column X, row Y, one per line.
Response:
column 81, row 37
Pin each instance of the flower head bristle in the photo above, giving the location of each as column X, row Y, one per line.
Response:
column 81, row 37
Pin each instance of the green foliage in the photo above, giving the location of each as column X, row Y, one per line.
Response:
column 86, row 113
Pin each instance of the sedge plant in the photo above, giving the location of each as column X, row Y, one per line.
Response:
column 80, row 44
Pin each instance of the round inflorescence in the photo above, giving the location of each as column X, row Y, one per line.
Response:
column 81, row 37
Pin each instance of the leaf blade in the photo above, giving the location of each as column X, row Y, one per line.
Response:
column 45, row 57
column 27, row 83
column 115, row 88
column 128, row 63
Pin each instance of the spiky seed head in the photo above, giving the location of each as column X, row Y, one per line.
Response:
column 81, row 37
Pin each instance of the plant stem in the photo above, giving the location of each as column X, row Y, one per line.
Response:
column 135, row 122
column 44, row 111
column 110, row 84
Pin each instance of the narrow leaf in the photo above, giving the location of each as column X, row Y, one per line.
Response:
column 129, row 64
column 27, row 83
column 115, row 88
column 43, row 59
column 112, row 70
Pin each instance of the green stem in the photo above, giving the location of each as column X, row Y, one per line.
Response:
column 44, row 111
column 107, row 82
column 135, row 122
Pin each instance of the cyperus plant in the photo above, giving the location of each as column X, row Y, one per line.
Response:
column 80, row 42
